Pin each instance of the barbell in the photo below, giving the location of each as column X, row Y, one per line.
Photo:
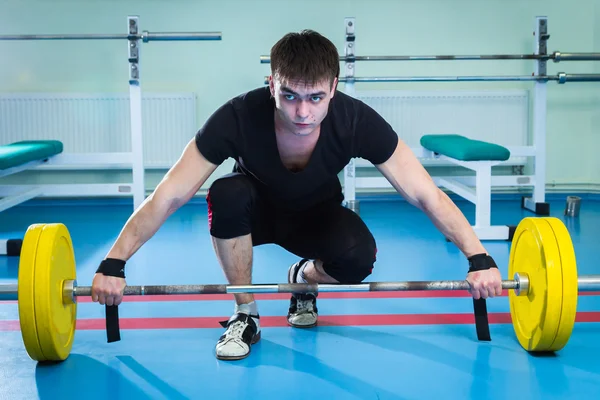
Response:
column 557, row 56
column 542, row 294
column 561, row 78
column 145, row 36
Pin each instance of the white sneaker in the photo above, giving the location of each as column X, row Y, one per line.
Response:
column 303, row 312
column 242, row 332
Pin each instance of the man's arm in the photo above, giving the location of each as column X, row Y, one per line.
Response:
column 404, row 171
column 177, row 187
column 406, row 174
column 373, row 139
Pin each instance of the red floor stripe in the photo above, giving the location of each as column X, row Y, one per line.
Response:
column 9, row 326
column 280, row 321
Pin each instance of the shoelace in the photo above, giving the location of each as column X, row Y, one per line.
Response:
column 236, row 329
column 304, row 306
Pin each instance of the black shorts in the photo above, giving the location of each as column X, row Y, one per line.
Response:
column 328, row 232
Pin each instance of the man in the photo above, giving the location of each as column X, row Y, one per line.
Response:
column 290, row 141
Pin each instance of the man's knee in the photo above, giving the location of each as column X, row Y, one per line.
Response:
column 230, row 200
column 355, row 264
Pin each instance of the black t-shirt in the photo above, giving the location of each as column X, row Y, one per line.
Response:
column 243, row 129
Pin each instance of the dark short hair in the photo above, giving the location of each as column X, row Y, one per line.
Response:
column 306, row 56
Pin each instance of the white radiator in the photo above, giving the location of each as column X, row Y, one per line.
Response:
column 500, row 117
column 99, row 123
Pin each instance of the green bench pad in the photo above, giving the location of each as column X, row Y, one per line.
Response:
column 19, row 153
column 464, row 149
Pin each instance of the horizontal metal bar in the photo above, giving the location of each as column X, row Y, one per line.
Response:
column 267, row 59
column 556, row 57
column 144, row 36
column 180, row 36
column 379, row 182
column 89, row 161
column 9, row 292
column 560, row 78
column 588, row 283
column 448, row 78
column 90, row 36
column 449, row 57
column 124, row 189
column 293, row 288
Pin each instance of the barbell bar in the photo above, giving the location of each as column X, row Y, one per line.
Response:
column 71, row 290
column 560, row 78
column 557, row 56
column 145, row 36
column 542, row 296
column 520, row 284
column 585, row 283
column 588, row 283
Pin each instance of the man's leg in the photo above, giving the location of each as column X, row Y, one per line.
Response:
column 235, row 257
column 234, row 215
column 314, row 272
column 336, row 247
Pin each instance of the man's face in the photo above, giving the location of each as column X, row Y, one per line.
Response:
column 301, row 108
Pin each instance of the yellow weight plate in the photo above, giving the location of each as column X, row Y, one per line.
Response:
column 536, row 316
column 26, row 292
column 55, row 263
column 569, row 283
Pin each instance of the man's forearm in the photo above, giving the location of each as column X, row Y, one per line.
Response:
column 140, row 227
column 452, row 223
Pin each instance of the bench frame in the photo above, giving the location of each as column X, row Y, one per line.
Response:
column 12, row 247
column 24, row 194
column 79, row 162
column 476, row 189
column 480, row 195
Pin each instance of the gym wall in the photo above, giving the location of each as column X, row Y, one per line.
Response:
column 216, row 71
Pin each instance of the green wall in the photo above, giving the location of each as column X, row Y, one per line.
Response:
column 219, row 70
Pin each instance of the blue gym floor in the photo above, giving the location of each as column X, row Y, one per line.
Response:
column 366, row 348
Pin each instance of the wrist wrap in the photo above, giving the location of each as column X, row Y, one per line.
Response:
column 112, row 267
column 479, row 262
